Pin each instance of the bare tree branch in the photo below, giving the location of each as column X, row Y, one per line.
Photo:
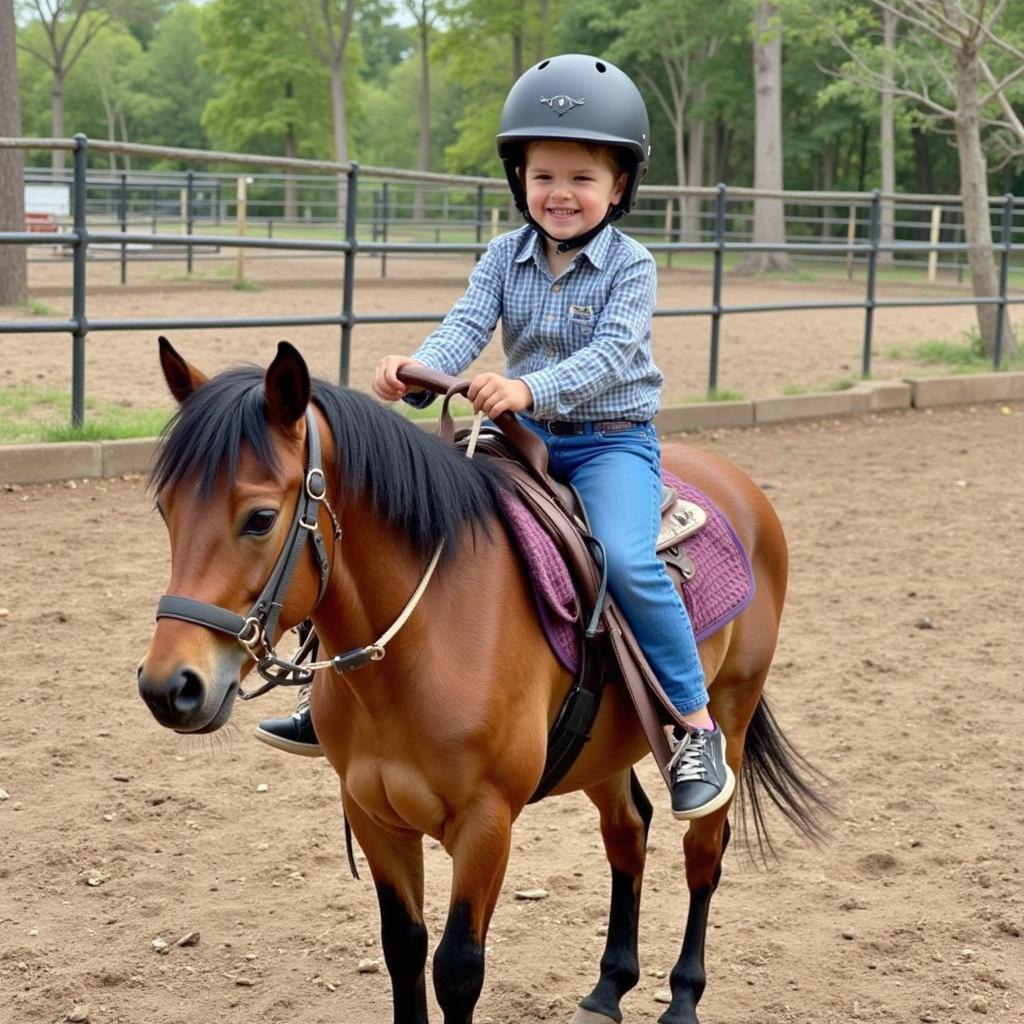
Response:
column 1007, row 107
column 871, row 79
column 903, row 15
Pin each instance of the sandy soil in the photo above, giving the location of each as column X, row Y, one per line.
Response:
column 761, row 354
column 114, row 833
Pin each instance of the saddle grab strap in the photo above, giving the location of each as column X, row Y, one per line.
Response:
column 530, row 447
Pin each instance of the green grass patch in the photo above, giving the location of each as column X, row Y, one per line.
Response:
column 842, row 384
column 794, row 389
column 30, row 414
column 720, row 395
column 37, row 308
column 247, row 286
column 968, row 353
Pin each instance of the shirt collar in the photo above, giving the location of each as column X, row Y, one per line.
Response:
column 596, row 250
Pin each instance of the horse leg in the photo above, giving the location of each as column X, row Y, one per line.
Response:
column 704, row 845
column 478, row 841
column 625, row 818
column 396, row 862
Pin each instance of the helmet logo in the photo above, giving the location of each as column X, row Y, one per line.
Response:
column 561, row 104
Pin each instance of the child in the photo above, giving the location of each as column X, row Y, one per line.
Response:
column 575, row 297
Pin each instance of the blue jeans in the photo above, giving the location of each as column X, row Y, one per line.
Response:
column 618, row 478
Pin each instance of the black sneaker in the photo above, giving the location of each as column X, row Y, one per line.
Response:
column 701, row 780
column 295, row 734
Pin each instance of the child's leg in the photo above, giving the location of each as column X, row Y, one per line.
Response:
column 618, row 478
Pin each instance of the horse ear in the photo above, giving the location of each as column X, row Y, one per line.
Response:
column 182, row 377
column 287, row 387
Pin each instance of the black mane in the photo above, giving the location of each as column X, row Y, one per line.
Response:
column 415, row 483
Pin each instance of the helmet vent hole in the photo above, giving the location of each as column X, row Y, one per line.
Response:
column 601, row 67
column 543, row 65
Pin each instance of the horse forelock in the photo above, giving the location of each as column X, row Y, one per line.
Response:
column 418, row 485
column 205, row 437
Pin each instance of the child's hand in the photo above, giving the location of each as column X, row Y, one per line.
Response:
column 385, row 383
column 493, row 394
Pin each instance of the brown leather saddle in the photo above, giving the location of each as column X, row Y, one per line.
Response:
column 609, row 648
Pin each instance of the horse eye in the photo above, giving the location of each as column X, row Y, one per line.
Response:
column 260, row 521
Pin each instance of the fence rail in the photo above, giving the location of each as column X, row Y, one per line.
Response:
column 863, row 242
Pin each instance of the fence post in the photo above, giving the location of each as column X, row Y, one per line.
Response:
column 869, row 302
column 851, row 237
column 479, row 218
column 495, row 220
column 189, row 196
column 123, row 217
column 933, row 239
column 385, row 214
column 668, row 230
column 81, row 251
column 351, row 209
column 1004, row 266
column 241, row 196
column 716, row 294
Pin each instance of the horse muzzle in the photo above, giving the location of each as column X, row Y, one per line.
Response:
column 185, row 700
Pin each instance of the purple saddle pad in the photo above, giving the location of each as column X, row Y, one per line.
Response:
column 722, row 586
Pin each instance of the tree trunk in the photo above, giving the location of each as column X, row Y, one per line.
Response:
column 974, row 195
column 828, row 183
column 340, row 131
column 719, row 159
column 886, row 142
column 924, row 181
column 126, row 160
column 291, row 186
column 695, row 171
column 419, row 200
column 13, row 278
column 57, row 117
column 769, row 214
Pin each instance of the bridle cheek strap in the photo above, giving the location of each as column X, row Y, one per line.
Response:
column 255, row 631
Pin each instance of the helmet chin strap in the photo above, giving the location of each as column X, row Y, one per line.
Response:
column 566, row 245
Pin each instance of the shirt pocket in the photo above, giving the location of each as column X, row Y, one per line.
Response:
column 582, row 323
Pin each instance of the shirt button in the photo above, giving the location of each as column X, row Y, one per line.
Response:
column 556, row 287
column 550, row 317
column 550, row 350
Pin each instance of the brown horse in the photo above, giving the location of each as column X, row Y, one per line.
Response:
column 446, row 735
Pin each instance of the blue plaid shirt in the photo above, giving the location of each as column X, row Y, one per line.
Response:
column 581, row 343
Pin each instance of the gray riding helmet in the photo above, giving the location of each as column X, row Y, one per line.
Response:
column 576, row 98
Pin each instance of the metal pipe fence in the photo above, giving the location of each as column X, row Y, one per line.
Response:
column 713, row 233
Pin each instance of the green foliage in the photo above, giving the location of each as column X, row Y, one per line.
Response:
column 235, row 74
column 268, row 80
column 175, row 84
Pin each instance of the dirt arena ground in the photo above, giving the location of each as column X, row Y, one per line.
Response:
column 899, row 674
column 762, row 354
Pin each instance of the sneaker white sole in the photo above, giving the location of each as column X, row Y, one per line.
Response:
column 290, row 746
column 712, row 805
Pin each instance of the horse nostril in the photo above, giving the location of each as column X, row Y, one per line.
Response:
column 189, row 693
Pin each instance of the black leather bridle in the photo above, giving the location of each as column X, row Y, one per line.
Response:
column 255, row 631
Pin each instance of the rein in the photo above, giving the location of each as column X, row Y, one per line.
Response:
column 255, row 630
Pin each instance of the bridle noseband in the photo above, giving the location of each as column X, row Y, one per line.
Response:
column 255, row 631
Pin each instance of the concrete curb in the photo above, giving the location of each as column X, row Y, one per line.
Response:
column 967, row 389
column 41, row 463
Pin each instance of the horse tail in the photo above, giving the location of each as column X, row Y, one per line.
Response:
column 773, row 768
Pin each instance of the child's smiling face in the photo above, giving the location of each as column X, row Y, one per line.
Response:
column 569, row 187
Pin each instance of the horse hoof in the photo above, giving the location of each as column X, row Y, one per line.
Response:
column 582, row 1016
